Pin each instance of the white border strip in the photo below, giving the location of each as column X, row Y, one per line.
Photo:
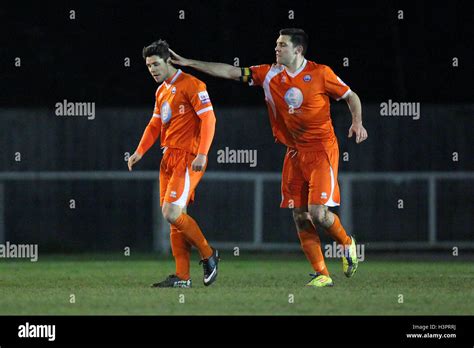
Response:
column 344, row 95
column 330, row 202
column 209, row 108
column 181, row 201
column 274, row 71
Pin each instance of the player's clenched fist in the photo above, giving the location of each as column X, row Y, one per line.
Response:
column 133, row 159
column 199, row 163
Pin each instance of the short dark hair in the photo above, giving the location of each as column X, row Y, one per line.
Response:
column 158, row 48
column 297, row 37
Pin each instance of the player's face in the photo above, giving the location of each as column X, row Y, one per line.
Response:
column 158, row 68
column 284, row 50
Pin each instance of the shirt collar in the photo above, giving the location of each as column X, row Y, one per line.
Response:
column 301, row 68
column 173, row 78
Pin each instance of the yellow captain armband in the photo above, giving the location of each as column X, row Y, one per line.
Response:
column 246, row 75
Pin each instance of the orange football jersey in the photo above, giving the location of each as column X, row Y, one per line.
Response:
column 298, row 103
column 181, row 102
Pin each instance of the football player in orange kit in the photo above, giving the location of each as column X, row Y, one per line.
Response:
column 297, row 93
column 185, row 119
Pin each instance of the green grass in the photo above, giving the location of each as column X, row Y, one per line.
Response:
column 258, row 285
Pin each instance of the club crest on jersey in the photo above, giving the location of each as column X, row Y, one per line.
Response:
column 173, row 90
column 294, row 97
column 204, row 97
column 307, row 78
column 165, row 112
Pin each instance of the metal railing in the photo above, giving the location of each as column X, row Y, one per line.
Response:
column 161, row 229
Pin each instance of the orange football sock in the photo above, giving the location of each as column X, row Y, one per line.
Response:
column 311, row 245
column 182, row 253
column 186, row 225
column 338, row 233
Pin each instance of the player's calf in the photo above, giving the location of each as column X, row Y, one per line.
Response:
column 302, row 219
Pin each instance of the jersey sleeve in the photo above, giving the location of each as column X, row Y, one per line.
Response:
column 334, row 86
column 208, row 127
column 199, row 98
column 150, row 135
column 152, row 131
column 201, row 103
column 258, row 74
column 156, row 110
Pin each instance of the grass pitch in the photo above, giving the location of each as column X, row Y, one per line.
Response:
column 260, row 285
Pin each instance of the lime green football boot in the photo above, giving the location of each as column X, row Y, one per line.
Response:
column 350, row 260
column 320, row 280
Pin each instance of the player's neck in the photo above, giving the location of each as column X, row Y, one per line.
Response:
column 296, row 64
column 172, row 72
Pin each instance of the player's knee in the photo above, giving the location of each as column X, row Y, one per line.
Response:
column 302, row 220
column 318, row 214
column 171, row 212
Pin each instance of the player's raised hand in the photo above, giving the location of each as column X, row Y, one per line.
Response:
column 199, row 163
column 177, row 59
column 133, row 159
column 359, row 131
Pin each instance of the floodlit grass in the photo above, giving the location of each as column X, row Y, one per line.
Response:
column 259, row 285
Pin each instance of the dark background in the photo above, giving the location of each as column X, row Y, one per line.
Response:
column 82, row 60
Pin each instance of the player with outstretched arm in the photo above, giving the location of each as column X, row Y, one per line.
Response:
column 185, row 119
column 297, row 93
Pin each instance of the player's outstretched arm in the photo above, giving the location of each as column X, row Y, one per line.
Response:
column 356, row 128
column 222, row 70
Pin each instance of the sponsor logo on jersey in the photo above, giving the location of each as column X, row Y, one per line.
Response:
column 165, row 112
column 307, row 78
column 204, row 97
column 294, row 97
column 173, row 90
column 324, row 195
